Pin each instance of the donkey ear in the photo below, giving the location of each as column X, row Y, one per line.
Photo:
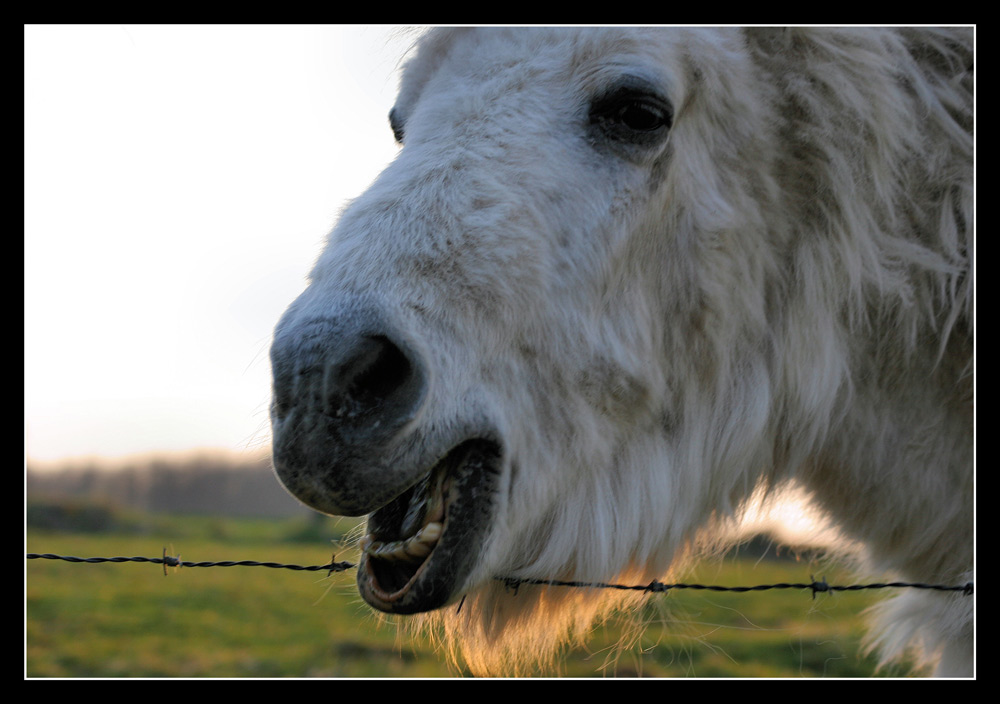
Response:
column 396, row 123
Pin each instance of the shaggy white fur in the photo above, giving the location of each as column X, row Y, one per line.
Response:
column 669, row 268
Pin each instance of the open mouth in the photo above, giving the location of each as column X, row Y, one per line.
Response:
column 421, row 546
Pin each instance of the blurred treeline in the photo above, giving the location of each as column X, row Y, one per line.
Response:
column 204, row 482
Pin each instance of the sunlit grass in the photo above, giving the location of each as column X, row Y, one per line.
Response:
column 129, row 620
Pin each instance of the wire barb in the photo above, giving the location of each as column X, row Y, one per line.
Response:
column 818, row 586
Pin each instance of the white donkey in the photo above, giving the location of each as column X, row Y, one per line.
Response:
column 618, row 280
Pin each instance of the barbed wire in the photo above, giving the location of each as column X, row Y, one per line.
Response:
column 515, row 582
column 814, row 586
column 169, row 561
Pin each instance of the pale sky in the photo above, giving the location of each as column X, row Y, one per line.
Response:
column 179, row 183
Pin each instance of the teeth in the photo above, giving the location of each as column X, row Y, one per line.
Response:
column 430, row 532
column 427, row 506
column 424, row 518
column 413, row 549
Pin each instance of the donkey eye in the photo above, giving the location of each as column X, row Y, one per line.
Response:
column 632, row 115
column 641, row 117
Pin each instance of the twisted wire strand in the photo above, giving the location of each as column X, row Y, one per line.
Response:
column 815, row 586
column 168, row 561
column 515, row 582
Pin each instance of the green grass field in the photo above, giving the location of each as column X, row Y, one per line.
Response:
column 128, row 620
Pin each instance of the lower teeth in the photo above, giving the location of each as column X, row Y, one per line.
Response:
column 414, row 549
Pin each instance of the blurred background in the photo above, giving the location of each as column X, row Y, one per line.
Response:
column 179, row 183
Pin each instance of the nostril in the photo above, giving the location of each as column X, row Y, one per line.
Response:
column 376, row 377
column 383, row 370
column 351, row 377
column 377, row 372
